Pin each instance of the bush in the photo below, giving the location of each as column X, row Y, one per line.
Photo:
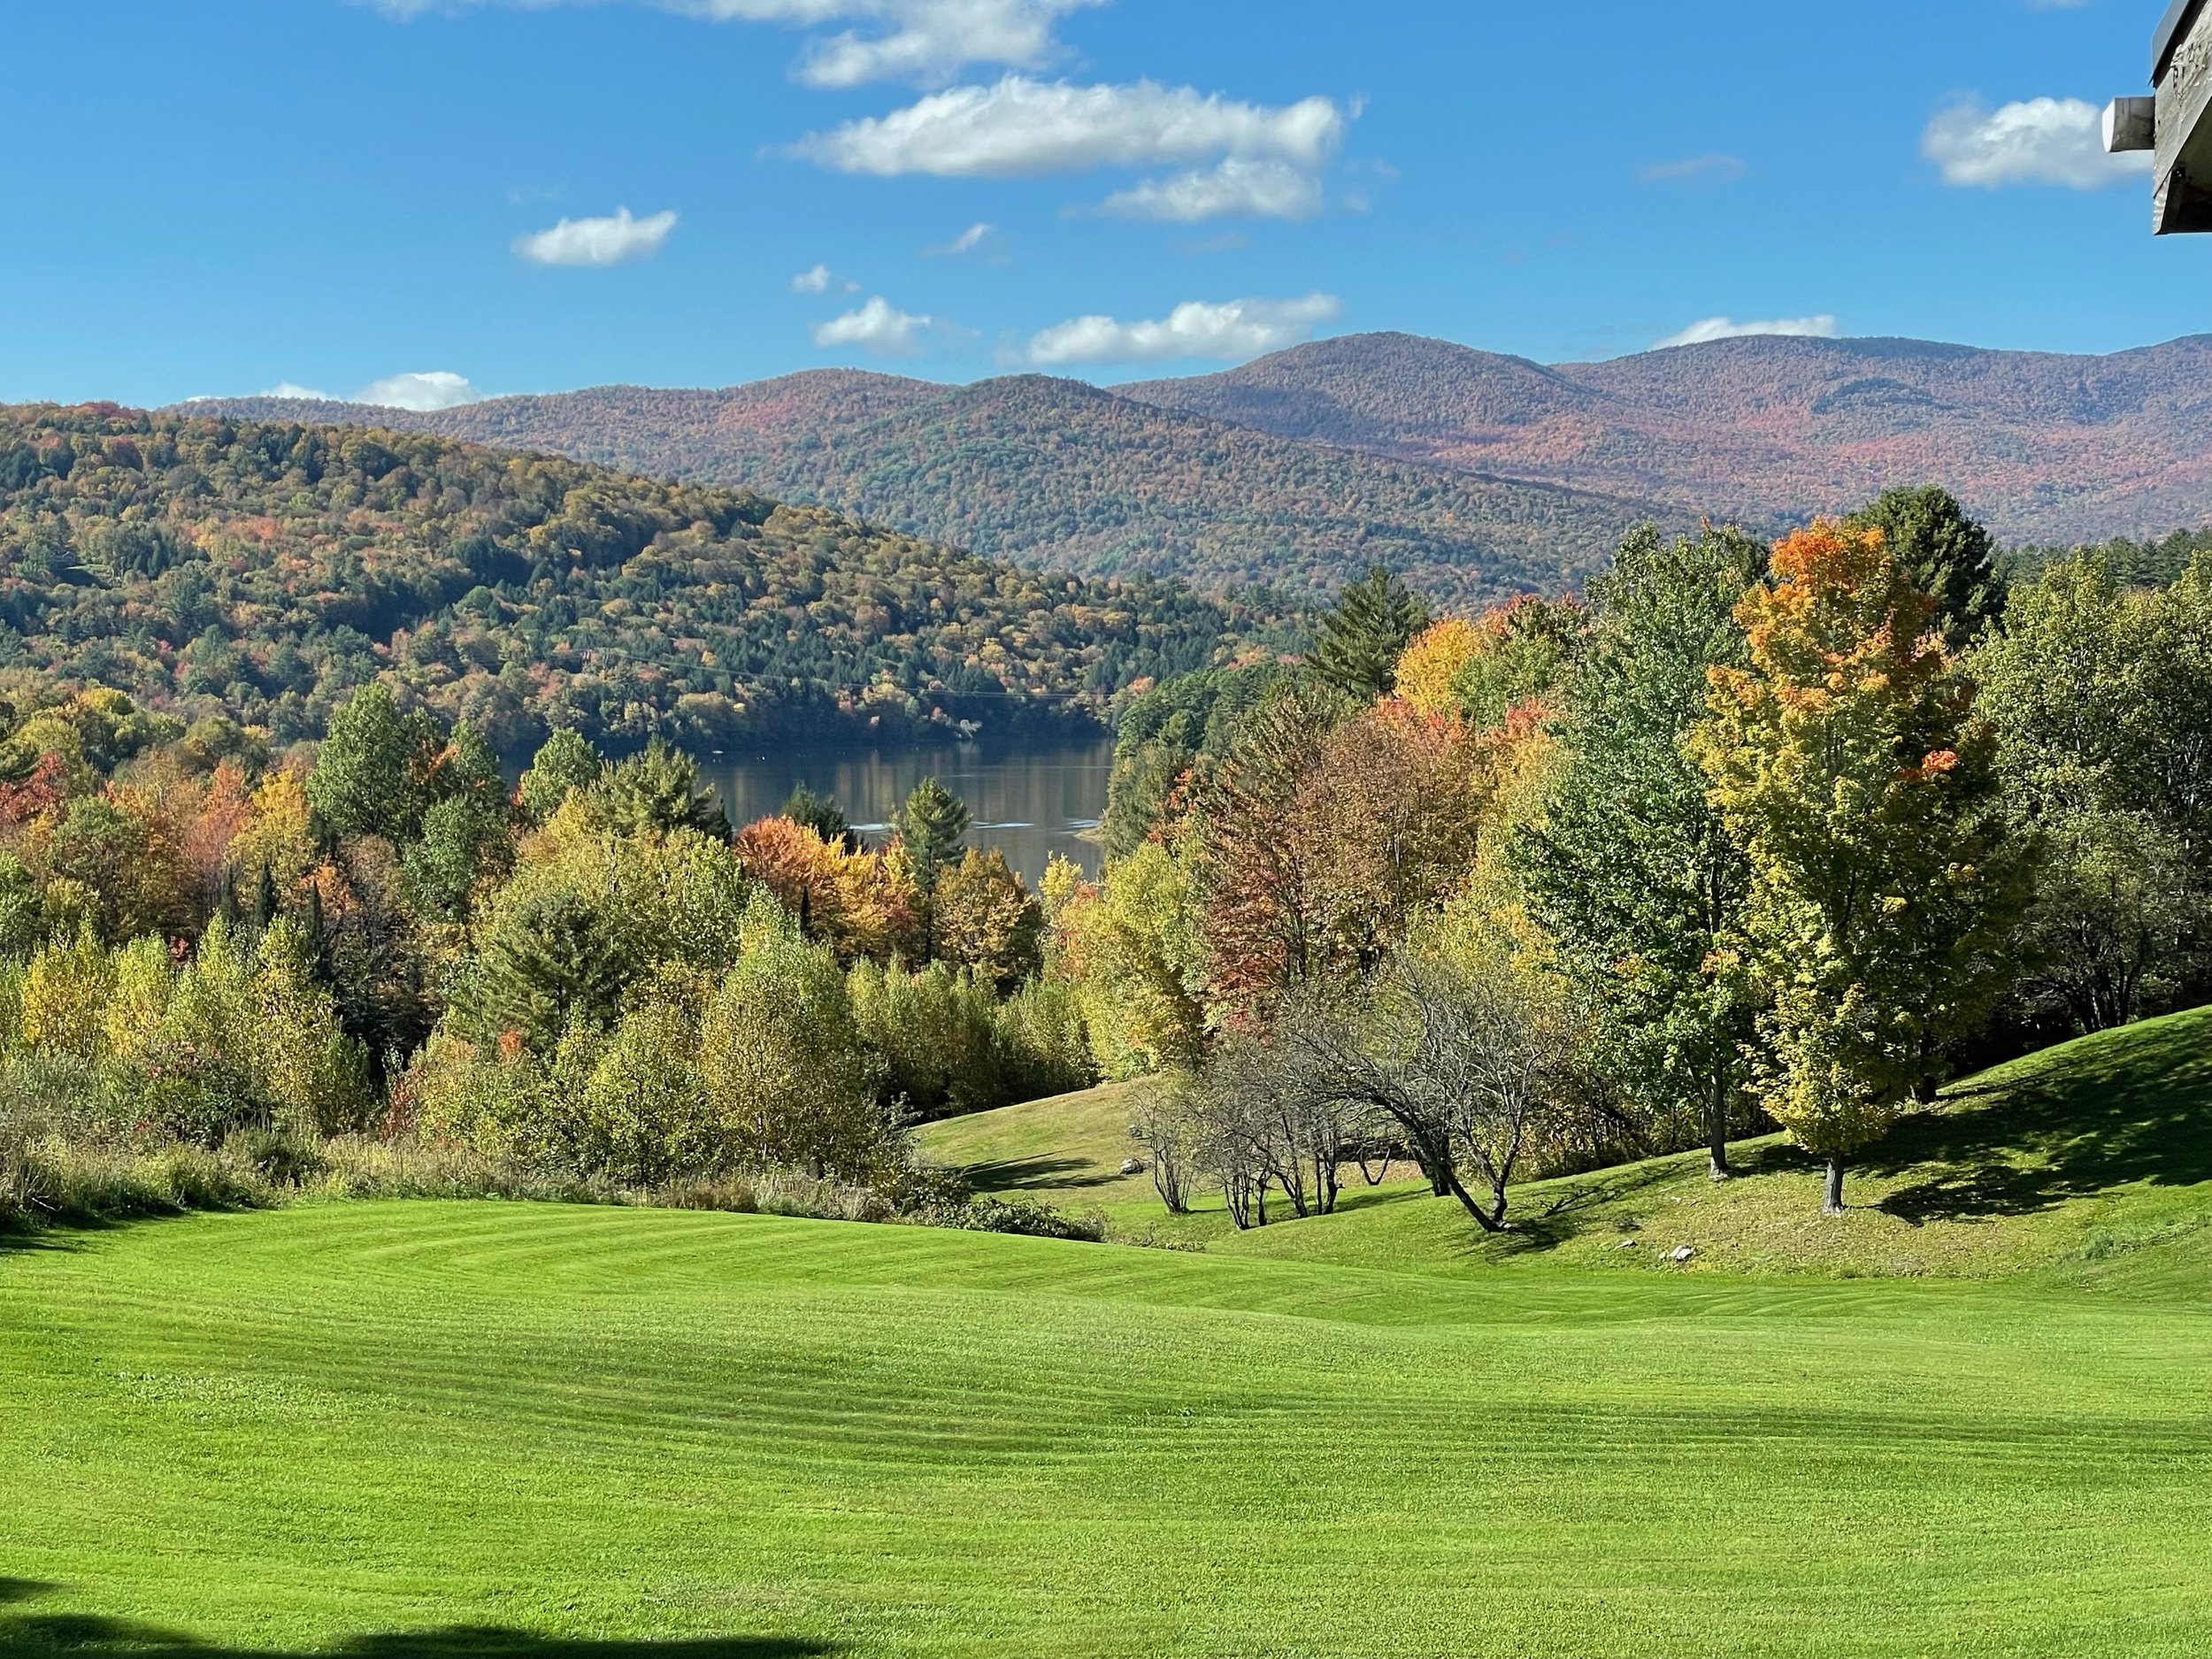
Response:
column 1019, row 1215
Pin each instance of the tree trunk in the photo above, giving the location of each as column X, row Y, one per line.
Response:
column 1717, row 1127
column 1831, row 1202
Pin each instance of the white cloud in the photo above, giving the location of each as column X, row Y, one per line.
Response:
column 1229, row 331
column 2042, row 141
column 928, row 40
column 432, row 389
column 1728, row 328
column 879, row 326
column 967, row 242
column 1238, row 188
column 1022, row 126
column 822, row 279
column 597, row 241
column 423, row 392
column 1717, row 169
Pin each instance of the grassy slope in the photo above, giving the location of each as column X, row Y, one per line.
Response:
column 2091, row 1163
column 339, row 1425
column 391, row 1427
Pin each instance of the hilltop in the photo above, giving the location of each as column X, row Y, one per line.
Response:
column 1477, row 474
column 2043, row 446
column 1058, row 473
column 263, row 569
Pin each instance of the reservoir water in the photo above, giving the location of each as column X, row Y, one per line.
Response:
column 1029, row 798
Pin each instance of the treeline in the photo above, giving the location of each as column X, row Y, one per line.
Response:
column 1754, row 836
column 266, row 571
column 588, row 978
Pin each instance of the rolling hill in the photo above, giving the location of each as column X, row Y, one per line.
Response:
column 1476, row 473
column 209, row 565
column 2045, row 448
column 431, row 1430
column 1058, row 473
column 2086, row 1163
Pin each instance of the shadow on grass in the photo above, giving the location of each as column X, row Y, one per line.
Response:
column 1016, row 1174
column 2127, row 1106
column 91, row 1636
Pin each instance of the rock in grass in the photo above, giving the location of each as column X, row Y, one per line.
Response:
column 1132, row 1166
column 1682, row 1253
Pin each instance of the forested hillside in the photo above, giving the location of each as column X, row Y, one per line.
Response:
column 265, row 570
column 1053, row 473
column 2043, row 446
column 1477, row 475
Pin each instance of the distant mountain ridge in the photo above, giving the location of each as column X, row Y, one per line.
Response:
column 1061, row 474
column 2044, row 447
column 1477, row 474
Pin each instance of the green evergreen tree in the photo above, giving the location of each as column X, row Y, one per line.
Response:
column 658, row 789
column 566, row 760
column 555, row 961
column 821, row 814
column 931, row 826
column 368, row 777
column 1946, row 554
column 265, row 907
column 1358, row 644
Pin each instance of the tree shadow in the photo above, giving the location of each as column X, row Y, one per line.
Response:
column 95, row 1636
column 1011, row 1174
column 2132, row 1107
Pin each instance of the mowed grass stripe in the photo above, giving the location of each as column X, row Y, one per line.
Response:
column 288, row 1430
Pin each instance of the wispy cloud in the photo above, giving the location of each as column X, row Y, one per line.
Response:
column 925, row 41
column 422, row 390
column 1714, row 169
column 1237, row 189
column 976, row 236
column 822, row 279
column 598, row 242
column 2040, row 140
column 1023, row 128
column 1228, row 331
column 1697, row 334
column 877, row 327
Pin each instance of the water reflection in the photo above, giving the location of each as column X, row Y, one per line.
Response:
column 1029, row 799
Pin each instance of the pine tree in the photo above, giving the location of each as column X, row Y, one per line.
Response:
column 553, row 961
column 1358, row 644
column 1945, row 554
column 657, row 791
column 931, row 826
column 368, row 776
column 821, row 814
column 566, row 760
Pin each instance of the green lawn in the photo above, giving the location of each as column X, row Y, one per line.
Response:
column 2089, row 1164
column 535, row 1432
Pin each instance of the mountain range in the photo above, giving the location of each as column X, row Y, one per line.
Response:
column 1477, row 475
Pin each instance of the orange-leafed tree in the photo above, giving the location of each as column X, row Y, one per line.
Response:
column 1323, row 843
column 860, row 904
column 1849, row 762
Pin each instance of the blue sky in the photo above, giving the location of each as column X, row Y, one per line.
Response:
column 230, row 195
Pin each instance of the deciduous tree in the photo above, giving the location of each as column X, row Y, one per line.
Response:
column 1847, row 759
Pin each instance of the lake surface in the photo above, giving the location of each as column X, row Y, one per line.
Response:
column 1029, row 799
